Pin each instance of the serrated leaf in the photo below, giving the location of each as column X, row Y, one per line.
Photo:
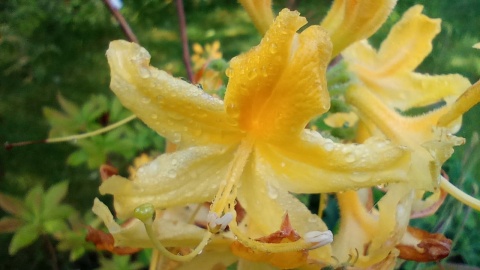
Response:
column 11, row 205
column 10, row 224
column 55, row 226
column 24, row 236
column 55, row 194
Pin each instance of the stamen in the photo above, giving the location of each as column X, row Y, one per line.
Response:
column 217, row 224
column 459, row 194
column 146, row 214
column 234, row 172
column 318, row 238
column 74, row 137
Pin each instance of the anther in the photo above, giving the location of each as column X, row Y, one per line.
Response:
column 318, row 238
column 217, row 224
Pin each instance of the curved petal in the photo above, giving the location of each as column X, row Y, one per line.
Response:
column 133, row 234
column 313, row 164
column 261, row 13
column 408, row 43
column 352, row 20
column 267, row 203
column 278, row 86
column 174, row 108
column 192, row 175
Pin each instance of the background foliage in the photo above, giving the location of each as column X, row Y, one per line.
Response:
column 52, row 54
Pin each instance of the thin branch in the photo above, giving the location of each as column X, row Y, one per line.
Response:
column 51, row 251
column 121, row 20
column 292, row 4
column 183, row 33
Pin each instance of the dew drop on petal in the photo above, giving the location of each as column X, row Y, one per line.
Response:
column 350, row 158
column 145, row 100
column 172, row 173
column 154, row 116
column 177, row 137
column 273, row 48
column 272, row 191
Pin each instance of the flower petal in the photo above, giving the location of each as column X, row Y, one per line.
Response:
column 174, row 108
column 352, row 20
column 172, row 230
column 408, row 43
column 314, row 164
column 192, row 175
column 267, row 204
column 261, row 13
column 278, row 86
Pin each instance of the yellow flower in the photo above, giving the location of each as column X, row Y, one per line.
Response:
column 260, row 11
column 349, row 21
column 387, row 82
column 389, row 72
column 253, row 146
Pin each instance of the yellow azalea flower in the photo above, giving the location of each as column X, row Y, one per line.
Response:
column 253, row 146
column 370, row 235
column 349, row 21
column 202, row 56
column 261, row 13
column 175, row 228
column 389, row 72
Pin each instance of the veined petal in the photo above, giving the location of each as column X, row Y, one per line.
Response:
column 352, row 20
column 314, row 164
column 181, row 112
column 172, row 179
column 278, row 86
column 408, row 43
column 266, row 205
column 171, row 232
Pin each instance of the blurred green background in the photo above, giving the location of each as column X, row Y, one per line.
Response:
column 52, row 47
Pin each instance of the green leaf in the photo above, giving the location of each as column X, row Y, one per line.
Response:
column 54, row 195
column 24, row 236
column 55, row 226
column 9, row 224
column 33, row 200
column 76, row 158
column 62, row 211
column 11, row 205
column 69, row 107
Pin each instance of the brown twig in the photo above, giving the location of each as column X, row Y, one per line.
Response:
column 292, row 4
column 121, row 20
column 183, row 33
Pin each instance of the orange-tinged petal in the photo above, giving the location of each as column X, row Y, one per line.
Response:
column 421, row 246
column 313, row 164
column 174, row 108
column 353, row 20
column 278, row 86
column 171, row 179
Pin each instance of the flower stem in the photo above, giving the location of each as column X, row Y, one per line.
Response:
column 459, row 194
column 183, row 33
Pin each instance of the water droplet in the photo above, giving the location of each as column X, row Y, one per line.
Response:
column 350, row 158
column 172, row 173
column 328, row 146
column 252, row 74
column 177, row 137
column 229, row 72
column 273, row 48
column 272, row 191
column 154, row 116
column 282, row 164
column 145, row 100
column 312, row 219
column 174, row 162
column 233, row 110
column 144, row 72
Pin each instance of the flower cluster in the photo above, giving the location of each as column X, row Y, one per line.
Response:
column 227, row 193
